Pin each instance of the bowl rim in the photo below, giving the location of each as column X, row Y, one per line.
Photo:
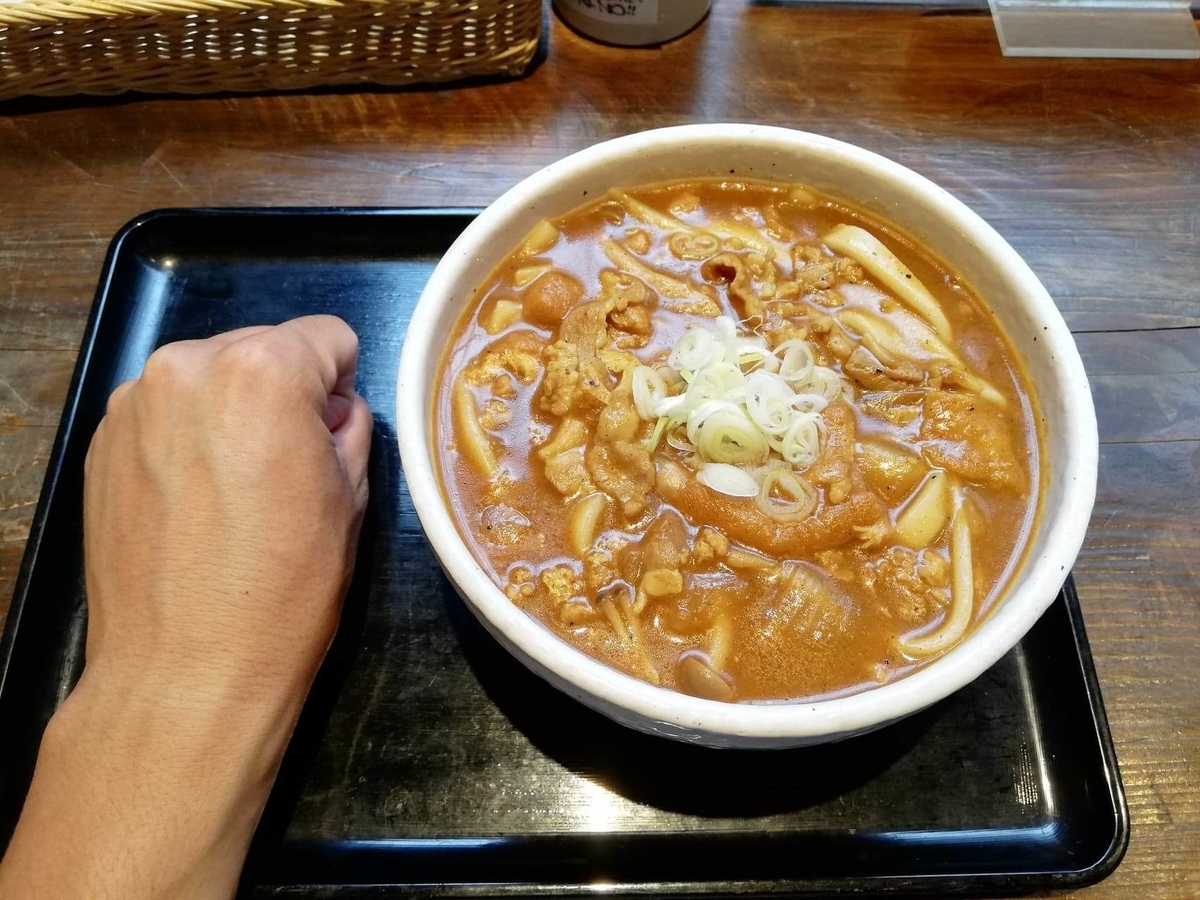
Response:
column 1040, row 579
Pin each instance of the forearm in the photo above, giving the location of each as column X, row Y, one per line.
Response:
column 135, row 800
column 223, row 492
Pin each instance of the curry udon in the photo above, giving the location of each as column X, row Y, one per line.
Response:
column 738, row 440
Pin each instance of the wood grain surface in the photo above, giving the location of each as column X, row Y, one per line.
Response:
column 1090, row 168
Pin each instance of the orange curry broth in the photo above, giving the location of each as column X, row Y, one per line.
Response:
column 822, row 616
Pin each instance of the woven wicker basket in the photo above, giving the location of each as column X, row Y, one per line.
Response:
column 200, row 46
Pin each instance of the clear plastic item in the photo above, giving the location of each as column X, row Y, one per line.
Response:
column 1147, row 29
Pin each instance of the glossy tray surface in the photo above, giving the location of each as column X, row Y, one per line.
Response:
column 429, row 762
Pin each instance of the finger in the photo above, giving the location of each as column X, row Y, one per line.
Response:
column 337, row 410
column 352, row 439
column 326, row 344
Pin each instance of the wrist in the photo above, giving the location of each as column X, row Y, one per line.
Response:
column 199, row 733
column 149, row 788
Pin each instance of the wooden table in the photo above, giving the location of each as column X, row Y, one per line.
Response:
column 1090, row 168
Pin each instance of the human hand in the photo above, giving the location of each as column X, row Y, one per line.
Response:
column 223, row 495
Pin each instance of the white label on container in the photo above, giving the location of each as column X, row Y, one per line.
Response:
column 617, row 12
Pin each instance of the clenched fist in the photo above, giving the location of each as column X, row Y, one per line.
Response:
column 223, row 495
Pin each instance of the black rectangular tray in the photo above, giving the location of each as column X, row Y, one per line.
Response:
column 429, row 762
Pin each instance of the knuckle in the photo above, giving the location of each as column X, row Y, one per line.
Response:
column 119, row 398
column 165, row 364
column 252, row 358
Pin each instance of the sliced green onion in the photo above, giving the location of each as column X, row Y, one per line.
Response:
column 808, row 403
column 670, row 406
column 649, row 390
column 729, row 480
column 795, row 360
column 743, row 403
column 680, row 443
column 714, row 382
column 727, row 435
column 755, row 353
column 725, row 334
column 797, row 499
column 802, row 443
column 656, row 435
column 697, row 416
column 695, row 350
column 768, row 398
column 824, row 383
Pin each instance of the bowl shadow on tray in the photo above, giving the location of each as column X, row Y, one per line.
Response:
column 663, row 773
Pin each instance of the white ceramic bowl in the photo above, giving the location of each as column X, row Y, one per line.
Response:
column 921, row 209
